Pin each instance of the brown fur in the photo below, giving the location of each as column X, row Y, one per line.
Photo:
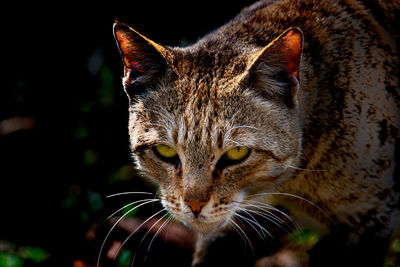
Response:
column 325, row 130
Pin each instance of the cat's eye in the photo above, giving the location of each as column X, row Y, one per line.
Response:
column 165, row 152
column 233, row 156
column 237, row 153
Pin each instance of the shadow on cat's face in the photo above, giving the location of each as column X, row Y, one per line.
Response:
column 210, row 156
column 212, row 127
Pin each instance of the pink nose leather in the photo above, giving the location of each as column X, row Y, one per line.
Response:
column 195, row 206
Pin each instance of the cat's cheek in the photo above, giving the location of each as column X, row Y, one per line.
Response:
column 153, row 170
column 171, row 203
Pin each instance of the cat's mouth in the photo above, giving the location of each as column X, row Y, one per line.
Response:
column 206, row 222
column 206, row 217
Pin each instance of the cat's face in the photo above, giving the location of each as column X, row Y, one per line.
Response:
column 211, row 129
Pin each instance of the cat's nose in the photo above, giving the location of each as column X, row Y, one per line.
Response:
column 195, row 206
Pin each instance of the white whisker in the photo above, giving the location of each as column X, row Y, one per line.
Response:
column 155, row 235
column 293, row 222
column 244, row 234
column 264, row 207
column 116, row 223
column 148, row 231
column 128, row 205
column 298, row 197
column 270, row 217
column 137, row 229
column 129, row 193
column 154, row 224
column 252, row 223
column 275, row 219
column 263, row 215
column 237, row 231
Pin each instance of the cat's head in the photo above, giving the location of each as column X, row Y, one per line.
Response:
column 213, row 128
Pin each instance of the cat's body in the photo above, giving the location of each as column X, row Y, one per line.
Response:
column 316, row 104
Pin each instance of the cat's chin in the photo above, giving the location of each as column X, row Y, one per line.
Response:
column 205, row 227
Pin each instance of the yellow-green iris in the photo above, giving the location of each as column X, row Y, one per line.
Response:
column 166, row 151
column 237, row 153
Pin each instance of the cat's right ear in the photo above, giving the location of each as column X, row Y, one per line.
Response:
column 142, row 57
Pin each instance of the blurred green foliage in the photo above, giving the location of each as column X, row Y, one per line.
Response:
column 124, row 174
column 305, row 237
column 125, row 259
column 393, row 254
column 10, row 260
column 106, row 90
column 35, row 254
column 13, row 256
column 90, row 157
column 81, row 131
column 100, row 164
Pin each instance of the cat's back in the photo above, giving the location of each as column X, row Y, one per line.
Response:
column 264, row 20
column 347, row 43
column 350, row 49
column 349, row 96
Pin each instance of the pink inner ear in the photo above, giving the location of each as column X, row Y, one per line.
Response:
column 292, row 43
column 131, row 53
column 132, row 61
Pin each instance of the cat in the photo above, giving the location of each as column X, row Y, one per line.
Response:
column 288, row 111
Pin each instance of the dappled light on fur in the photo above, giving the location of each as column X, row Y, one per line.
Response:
column 263, row 124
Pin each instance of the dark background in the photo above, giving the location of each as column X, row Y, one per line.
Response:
column 68, row 147
column 61, row 91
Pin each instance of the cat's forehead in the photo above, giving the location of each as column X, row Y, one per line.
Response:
column 200, row 67
column 203, row 106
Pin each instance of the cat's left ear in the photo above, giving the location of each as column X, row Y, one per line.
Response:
column 284, row 52
column 274, row 69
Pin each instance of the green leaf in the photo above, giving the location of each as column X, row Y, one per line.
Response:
column 81, row 132
column 71, row 200
column 389, row 264
column 305, row 237
column 84, row 216
column 95, row 202
column 36, row 254
column 125, row 258
column 90, row 157
column 106, row 90
column 129, row 212
column 10, row 260
column 396, row 245
column 87, row 106
column 123, row 174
